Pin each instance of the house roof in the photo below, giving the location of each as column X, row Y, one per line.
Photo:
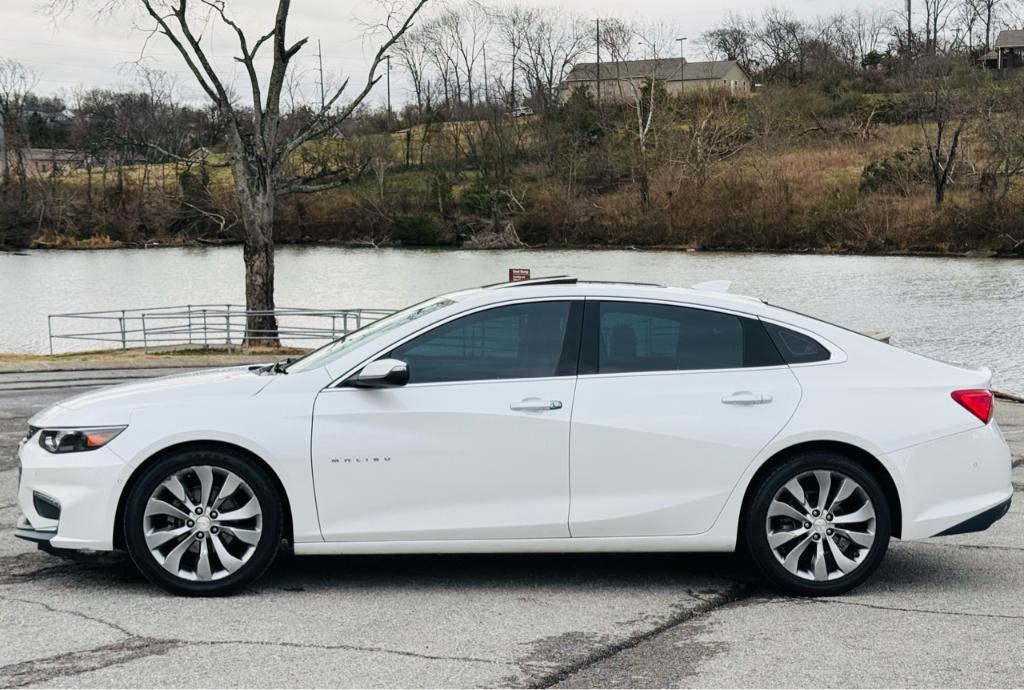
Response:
column 668, row 69
column 1010, row 39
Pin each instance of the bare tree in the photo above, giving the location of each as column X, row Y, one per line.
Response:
column 639, row 85
column 514, row 24
column 733, row 39
column 936, row 18
column 412, row 53
column 987, row 12
column 552, row 44
column 16, row 83
column 868, row 27
column 261, row 141
column 942, row 97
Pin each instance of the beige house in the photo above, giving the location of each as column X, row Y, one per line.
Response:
column 618, row 80
column 1007, row 52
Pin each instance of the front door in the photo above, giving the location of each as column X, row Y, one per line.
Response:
column 672, row 404
column 475, row 446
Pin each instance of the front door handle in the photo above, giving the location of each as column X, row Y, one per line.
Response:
column 747, row 398
column 535, row 405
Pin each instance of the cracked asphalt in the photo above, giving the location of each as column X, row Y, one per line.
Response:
column 939, row 613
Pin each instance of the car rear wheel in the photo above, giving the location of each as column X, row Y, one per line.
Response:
column 203, row 522
column 818, row 525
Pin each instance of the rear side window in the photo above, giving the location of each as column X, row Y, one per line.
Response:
column 623, row 337
column 532, row 340
column 797, row 348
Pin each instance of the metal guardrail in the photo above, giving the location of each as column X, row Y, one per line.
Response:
column 204, row 325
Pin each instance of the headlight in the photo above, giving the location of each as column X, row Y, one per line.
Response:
column 77, row 440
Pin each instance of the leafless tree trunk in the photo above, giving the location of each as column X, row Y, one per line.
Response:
column 260, row 147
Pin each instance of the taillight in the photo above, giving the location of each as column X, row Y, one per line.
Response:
column 977, row 402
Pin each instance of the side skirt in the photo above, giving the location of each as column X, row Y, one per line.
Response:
column 695, row 543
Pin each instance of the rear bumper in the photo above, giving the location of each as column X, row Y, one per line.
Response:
column 951, row 482
column 980, row 522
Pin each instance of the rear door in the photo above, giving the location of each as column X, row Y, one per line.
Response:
column 671, row 405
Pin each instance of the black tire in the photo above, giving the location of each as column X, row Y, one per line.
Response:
column 263, row 490
column 755, row 532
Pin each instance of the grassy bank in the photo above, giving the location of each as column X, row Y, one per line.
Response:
column 787, row 170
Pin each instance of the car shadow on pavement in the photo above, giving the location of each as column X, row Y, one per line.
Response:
column 504, row 570
column 379, row 573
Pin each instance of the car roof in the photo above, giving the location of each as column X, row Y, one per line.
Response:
column 708, row 293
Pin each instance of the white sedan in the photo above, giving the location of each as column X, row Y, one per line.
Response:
column 552, row 415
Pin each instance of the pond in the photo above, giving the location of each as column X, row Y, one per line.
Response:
column 961, row 310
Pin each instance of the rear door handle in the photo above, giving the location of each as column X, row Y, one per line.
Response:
column 747, row 398
column 535, row 405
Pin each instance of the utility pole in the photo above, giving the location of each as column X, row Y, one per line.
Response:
column 388, row 58
column 487, row 89
column 599, row 61
column 682, row 64
column 910, row 30
column 320, row 56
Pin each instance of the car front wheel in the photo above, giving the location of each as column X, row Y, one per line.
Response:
column 203, row 522
column 818, row 525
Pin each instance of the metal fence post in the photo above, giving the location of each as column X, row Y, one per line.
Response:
column 145, row 335
column 206, row 332
column 49, row 331
column 124, row 340
column 189, row 324
column 227, row 326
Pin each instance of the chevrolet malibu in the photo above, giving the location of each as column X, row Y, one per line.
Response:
column 551, row 415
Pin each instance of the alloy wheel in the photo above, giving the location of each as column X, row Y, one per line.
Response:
column 202, row 523
column 821, row 525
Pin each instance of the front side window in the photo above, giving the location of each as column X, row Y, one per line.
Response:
column 332, row 351
column 637, row 337
column 532, row 340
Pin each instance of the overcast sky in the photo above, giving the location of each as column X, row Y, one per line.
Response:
column 82, row 49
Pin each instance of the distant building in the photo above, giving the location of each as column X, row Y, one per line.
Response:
column 1007, row 52
column 45, row 161
column 619, row 79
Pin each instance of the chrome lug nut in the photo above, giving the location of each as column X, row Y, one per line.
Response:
column 814, row 512
column 199, row 535
column 213, row 515
column 191, row 523
column 815, row 537
column 214, row 530
column 807, row 525
column 830, row 531
column 199, row 510
column 830, row 517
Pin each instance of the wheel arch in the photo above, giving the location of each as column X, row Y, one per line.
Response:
column 288, row 530
column 855, row 453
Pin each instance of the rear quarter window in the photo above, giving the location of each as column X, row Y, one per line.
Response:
column 796, row 348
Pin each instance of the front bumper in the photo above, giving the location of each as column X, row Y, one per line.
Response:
column 86, row 487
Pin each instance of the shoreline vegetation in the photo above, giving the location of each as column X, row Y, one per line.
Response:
column 173, row 242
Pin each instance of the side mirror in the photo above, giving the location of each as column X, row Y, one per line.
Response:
column 384, row 373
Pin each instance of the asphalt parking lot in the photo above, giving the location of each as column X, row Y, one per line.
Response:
column 942, row 612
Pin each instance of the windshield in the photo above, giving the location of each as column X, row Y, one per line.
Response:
column 330, row 352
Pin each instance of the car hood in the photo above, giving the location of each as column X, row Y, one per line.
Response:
column 114, row 405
